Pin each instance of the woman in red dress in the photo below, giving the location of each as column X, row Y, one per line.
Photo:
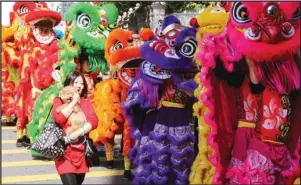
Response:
column 72, row 167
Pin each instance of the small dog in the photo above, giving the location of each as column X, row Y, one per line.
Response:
column 77, row 117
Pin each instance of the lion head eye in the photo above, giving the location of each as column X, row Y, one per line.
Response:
column 239, row 13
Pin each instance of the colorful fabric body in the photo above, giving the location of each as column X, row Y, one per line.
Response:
column 159, row 106
column 253, row 29
column 123, row 55
column 84, row 32
column 211, row 20
column 31, row 43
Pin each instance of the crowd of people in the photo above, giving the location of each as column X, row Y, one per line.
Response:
column 233, row 72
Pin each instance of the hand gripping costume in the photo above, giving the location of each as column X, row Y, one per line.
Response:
column 266, row 33
column 34, row 40
column 123, row 55
column 159, row 105
column 84, row 33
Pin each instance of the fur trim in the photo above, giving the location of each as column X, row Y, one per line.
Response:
column 147, row 34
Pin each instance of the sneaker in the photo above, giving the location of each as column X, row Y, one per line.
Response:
column 127, row 174
column 25, row 141
column 110, row 164
column 19, row 142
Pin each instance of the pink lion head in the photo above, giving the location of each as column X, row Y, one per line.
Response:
column 265, row 31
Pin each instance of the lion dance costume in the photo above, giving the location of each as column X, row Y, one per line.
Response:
column 159, row 105
column 84, row 33
column 123, row 55
column 263, row 115
column 9, row 74
column 33, row 42
column 213, row 20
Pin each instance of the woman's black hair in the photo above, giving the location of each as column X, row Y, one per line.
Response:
column 70, row 81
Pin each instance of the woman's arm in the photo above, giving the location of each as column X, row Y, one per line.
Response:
column 92, row 120
column 256, row 86
column 58, row 117
column 252, row 73
column 66, row 111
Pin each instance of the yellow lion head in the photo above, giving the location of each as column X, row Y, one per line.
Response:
column 212, row 19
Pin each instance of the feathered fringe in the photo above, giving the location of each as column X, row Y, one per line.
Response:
column 172, row 154
column 106, row 102
column 282, row 76
column 210, row 47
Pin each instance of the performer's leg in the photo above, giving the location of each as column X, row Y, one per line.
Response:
column 25, row 139
column 19, row 137
column 127, row 168
column 20, row 131
column 109, row 149
column 126, row 144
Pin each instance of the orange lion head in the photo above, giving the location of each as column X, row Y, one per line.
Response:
column 122, row 52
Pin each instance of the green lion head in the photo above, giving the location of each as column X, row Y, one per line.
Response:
column 89, row 26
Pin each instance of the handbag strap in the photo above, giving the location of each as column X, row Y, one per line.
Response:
column 48, row 115
column 77, row 146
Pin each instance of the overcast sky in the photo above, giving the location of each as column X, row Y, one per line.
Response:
column 6, row 7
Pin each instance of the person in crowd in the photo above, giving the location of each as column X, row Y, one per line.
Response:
column 72, row 167
column 87, row 74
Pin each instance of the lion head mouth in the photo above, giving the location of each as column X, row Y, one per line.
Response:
column 129, row 70
column 153, row 71
column 43, row 31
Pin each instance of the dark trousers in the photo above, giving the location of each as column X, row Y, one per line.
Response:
column 72, row 178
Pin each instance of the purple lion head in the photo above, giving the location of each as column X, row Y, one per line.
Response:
column 174, row 53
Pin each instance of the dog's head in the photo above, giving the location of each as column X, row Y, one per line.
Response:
column 67, row 93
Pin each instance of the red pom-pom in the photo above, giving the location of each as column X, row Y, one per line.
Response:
column 146, row 34
column 193, row 22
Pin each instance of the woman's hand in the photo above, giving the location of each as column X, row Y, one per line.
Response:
column 81, row 132
column 74, row 136
column 75, row 98
column 250, row 63
column 253, row 77
column 66, row 111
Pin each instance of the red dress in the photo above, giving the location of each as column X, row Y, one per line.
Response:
column 74, row 159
